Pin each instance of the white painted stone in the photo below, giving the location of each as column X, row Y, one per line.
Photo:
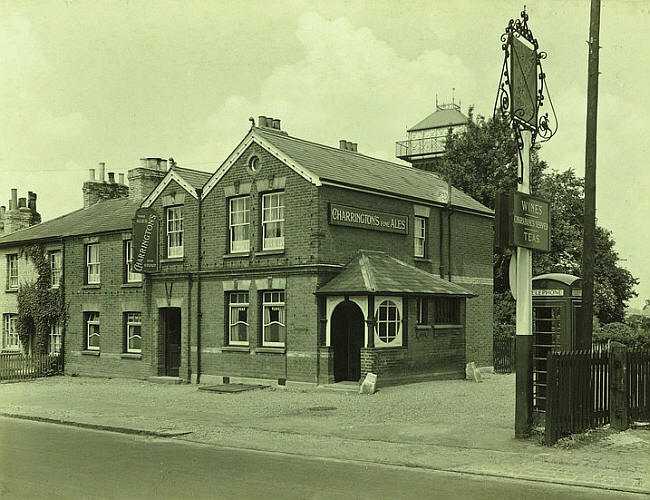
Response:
column 368, row 384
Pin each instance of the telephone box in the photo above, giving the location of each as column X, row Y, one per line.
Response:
column 557, row 316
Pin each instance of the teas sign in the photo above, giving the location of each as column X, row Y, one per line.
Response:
column 145, row 241
column 531, row 222
column 341, row 215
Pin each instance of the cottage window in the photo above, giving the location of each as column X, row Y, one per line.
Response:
column 388, row 321
column 240, row 224
column 420, row 236
column 92, row 263
column 12, row 271
column 92, row 331
column 10, row 339
column 238, row 318
column 133, row 331
column 447, row 311
column 175, row 231
column 56, row 338
column 273, row 221
column 131, row 277
column 274, row 323
column 55, row 269
column 421, row 310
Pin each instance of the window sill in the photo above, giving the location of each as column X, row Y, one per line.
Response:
column 169, row 260
column 89, row 352
column 236, row 255
column 271, row 350
column 10, row 351
column 236, row 348
column 11, row 290
column 132, row 285
column 423, row 327
column 447, row 327
column 422, row 259
column 91, row 286
column 131, row 355
column 279, row 251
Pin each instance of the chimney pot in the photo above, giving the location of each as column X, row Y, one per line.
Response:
column 31, row 201
column 353, row 146
column 121, row 178
column 343, row 144
column 276, row 124
column 91, row 174
column 22, row 202
column 111, row 177
column 13, row 203
column 261, row 121
column 100, row 171
column 3, row 209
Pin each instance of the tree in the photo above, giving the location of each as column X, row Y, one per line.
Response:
column 482, row 160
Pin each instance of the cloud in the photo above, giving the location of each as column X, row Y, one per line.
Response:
column 346, row 75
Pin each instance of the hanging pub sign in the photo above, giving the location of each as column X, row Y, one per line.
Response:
column 145, row 241
column 523, row 83
column 531, row 222
column 341, row 215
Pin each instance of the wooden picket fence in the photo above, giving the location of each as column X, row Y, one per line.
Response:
column 19, row 366
column 578, row 390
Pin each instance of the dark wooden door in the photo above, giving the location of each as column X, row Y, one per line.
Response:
column 347, row 340
column 172, row 342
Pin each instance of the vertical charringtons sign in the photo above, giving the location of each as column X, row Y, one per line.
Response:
column 145, row 241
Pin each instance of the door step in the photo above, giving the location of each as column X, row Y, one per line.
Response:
column 165, row 380
column 344, row 386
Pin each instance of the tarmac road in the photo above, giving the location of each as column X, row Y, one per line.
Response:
column 40, row 460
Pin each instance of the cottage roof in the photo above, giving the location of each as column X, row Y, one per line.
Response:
column 377, row 272
column 322, row 164
column 441, row 118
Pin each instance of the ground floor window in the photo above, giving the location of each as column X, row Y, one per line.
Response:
column 421, row 310
column 10, row 339
column 92, row 330
column 56, row 338
column 238, row 318
column 133, row 332
column 274, row 322
column 388, row 321
column 447, row 311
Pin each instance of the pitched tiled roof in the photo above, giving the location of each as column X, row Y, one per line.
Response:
column 103, row 216
column 441, row 118
column 196, row 178
column 355, row 169
column 377, row 272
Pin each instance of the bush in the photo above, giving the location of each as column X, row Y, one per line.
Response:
column 502, row 330
column 625, row 334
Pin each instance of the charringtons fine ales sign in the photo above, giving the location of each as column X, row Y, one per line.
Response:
column 145, row 241
column 342, row 215
column 531, row 222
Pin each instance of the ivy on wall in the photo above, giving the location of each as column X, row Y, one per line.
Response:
column 39, row 305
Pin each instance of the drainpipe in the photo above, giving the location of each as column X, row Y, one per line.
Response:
column 62, row 291
column 449, row 209
column 189, row 328
column 442, row 266
column 199, row 192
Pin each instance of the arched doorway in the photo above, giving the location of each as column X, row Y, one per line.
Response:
column 347, row 328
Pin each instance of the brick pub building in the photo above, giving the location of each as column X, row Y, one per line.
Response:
column 294, row 263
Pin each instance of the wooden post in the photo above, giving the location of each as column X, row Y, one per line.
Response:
column 584, row 342
column 618, row 387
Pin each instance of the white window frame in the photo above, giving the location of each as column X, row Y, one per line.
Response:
column 384, row 304
column 10, row 337
column 237, row 301
column 56, row 268
column 92, row 319
column 419, row 236
column 56, row 339
column 239, row 219
column 93, row 267
column 274, row 299
column 131, row 277
column 273, row 217
column 12, row 271
column 174, row 226
column 133, row 325
column 422, row 307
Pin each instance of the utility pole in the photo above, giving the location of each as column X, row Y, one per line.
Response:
column 583, row 337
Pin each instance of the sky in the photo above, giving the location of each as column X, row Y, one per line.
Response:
column 83, row 82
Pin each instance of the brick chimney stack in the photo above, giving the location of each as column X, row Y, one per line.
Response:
column 21, row 214
column 97, row 189
column 143, row 179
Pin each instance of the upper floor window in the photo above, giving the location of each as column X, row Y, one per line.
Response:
column 92, row 331
column 238, row 318
column 273, row 221
column 56, row 338
column 12, row 271
column 274, row 322
column 239, row 224
column 92, row 263
column 420, row 236
column 174, row 217
column 421, row 310
column 447, row 311
column 55, row 268
column 131, row 277
column 133, row 332
column 10, row 339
